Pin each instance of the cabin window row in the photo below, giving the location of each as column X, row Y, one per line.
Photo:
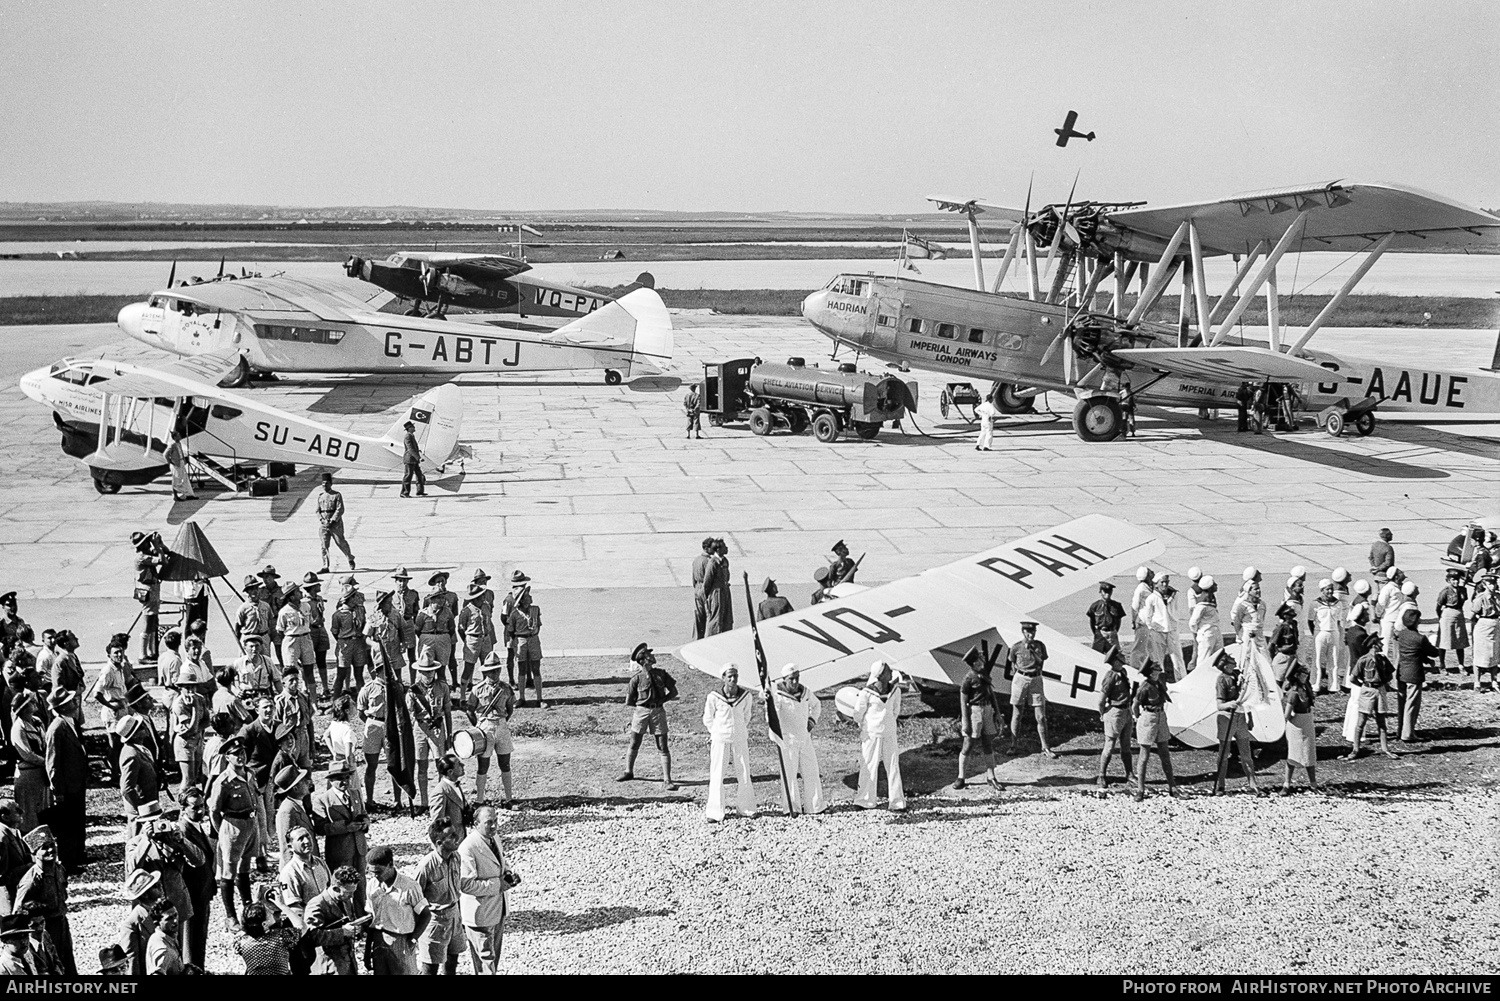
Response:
column 945, row 331
column 301, row 335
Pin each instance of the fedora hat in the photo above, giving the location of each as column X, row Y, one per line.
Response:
column 476, row 592
column 401, row 574
column 270, row 572
column 139, row 881
column 438, row 577
column 480, row 576
column 288, row 777
column 518, row 577
column 253, row 582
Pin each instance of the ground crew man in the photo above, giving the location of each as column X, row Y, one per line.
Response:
column 704, row 584
column 773, row 604
column 1027, row 658
column 1115, row 695
column 726, row 716
column 1105, row 617
column 798, row 710
column 649, row 690
column 411, row 462
column 692, row 405
column 1243, row 397
column 978, row 711
column 877, row 711
column 331, row 522
column 490, row 705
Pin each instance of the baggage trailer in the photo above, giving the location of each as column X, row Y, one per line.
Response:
column 796, row 396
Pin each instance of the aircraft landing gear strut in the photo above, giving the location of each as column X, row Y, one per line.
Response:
column 1098, row 418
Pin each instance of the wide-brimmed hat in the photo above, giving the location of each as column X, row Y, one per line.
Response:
column 310, row 579
column 288, row 777
column 284, row 730
column 252, row 582
column 126, row 727
column 112, row 957
column 480, row 576
column 139, row 539
column 382, row 594
column 148, row 810
column 476, row 592
column 60, row 697
column 339, row 770
column 492, row 662
column 15, row 925
column 270, row 571
column 427, row 662
column 439, row 575
column 139, row 881
column 518, row 577
column 401, row 574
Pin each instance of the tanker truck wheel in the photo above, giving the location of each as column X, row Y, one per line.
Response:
column 611, row 377
column 761, row 422
column 797, row 419
column 826, row 428
column 1007, row 402
column 1098, row 418
column 867, row 430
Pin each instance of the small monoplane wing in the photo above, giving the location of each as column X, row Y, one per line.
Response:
column 198, row 375
column 478, row 268
column 979, row 206
column 1342, row 215
column 917, row 623
column 1231, row 364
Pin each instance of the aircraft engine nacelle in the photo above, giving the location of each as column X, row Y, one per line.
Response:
column 868, row 397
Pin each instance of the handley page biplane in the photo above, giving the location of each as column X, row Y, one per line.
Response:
column 1055, row 336
column 118, row 418
column 924, row 625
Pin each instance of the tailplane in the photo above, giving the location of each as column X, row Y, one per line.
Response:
column 437, row 417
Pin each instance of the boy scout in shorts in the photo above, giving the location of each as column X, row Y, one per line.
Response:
column 1027, row 658
column 978, row 709
column 649, row 691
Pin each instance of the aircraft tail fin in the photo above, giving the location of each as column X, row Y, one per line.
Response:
column 653, row 328
column 437, row 418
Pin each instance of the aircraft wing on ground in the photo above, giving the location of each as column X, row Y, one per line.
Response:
column 198, row 375
column 1344, row 216
column 980, row 207
column 1237, row 364
column 923, row 625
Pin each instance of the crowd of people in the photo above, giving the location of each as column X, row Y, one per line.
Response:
column 302, row 891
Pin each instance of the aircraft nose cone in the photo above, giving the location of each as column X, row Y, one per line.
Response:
column 129, row 320
column 812, row 306
column 31, row 384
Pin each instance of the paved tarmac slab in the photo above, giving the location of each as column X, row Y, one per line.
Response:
column 594, row 491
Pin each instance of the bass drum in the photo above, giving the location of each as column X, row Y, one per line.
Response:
column 844, row 700
column 470, row 742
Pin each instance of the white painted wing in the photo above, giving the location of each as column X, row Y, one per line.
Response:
column 980, row 206
column 1343, row 215
column 1228, row 364
column 198, row 375
column 916, row 623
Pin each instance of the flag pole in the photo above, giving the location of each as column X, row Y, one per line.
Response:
column 773, row 722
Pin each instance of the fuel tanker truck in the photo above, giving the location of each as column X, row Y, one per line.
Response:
column 796, row 396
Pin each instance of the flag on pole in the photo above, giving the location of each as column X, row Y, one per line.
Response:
column 762, row 671
column 401, row 749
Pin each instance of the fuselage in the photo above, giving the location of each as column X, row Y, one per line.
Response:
column 1006, row 337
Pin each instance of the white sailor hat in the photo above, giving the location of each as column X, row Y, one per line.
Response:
column 1340, row 575
column 1324, row 584
column 1142, row 573
column 1194, row 574
column 1299, row 572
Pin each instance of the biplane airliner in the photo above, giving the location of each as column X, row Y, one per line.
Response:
column 118, row 418
column 279, row 324
column 924, row 625
column 1057, row 337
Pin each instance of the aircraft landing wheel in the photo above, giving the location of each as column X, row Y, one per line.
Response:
column 611, row 377
column 1335, row 425
column 1007, row 402
column 797, row 419
column 943, row 403
column 239, row 377
column 761, row 422
column 867, row 430
column 1365, row 424
column 105, row 488
column 1098, row 418
column 826, row 428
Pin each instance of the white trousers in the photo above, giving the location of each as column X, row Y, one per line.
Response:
column 874, row 752
column 1326, row 647
column 1140, row 645
column 1159, row 649
column 1209, row 641
column 719, row 750
column 986, row 432
column 799, row 758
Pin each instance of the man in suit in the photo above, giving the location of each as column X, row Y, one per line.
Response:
column 260, row 747
column 140, row 785
column 192, row 823
column 330, row 917
column 450, row 801
column 482, row 882
column 341, row 812
column 15, row 856
column 68, row 778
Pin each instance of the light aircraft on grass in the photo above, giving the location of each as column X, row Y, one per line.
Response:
column 924, row 625
column 1062, row 336
column 118, row 418
column 279, row 324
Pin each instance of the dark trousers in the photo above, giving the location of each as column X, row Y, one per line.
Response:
column 195, row 932
column 413, row 469
column 152, row 636
column 1408, row 705
column 62, row 940
column 69, row 824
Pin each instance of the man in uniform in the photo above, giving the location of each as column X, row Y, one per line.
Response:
column 877, row 711
column 798, row 710
column 441, row 943
column 692, row 405
column 1115, row 694
column 296, row 638
column 519, row 583
column 978, row 711
column 825, row 591
column 1027, row 658
column 373, row 707
column 704, row 585
column 347, row 628
column 1105, row 617
column 525, row 627
column 151, row 559
column 1233, row 724
column 399, row 914
column 295, row 709
column 726, row 717
column 437, row 623
column 489, row 706
column 649, row 690
column 408, row 602
column 331, row 522
column 431, row 716
column 254, row 616
column 476, row 633
column 411, row 462
column 256, row 675
column 232, row 813
column 841, row 568
column 773, row 604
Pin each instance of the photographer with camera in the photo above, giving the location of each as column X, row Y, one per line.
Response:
column 151, row 559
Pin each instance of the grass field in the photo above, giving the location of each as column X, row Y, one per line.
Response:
column 1357, row 311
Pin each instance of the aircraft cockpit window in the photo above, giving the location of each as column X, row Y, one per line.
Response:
column 154, row 302
column 857, row 287
column 914, row 326
column 833, row 283
column 885, row 320
column 947, row 331
column 976, row 336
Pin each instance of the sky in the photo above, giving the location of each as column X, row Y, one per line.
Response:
column 739, row 106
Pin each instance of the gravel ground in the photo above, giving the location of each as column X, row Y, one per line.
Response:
column 1389, row 873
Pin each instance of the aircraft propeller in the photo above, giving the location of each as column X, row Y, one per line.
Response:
column 220, row 275
column 172, row 275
